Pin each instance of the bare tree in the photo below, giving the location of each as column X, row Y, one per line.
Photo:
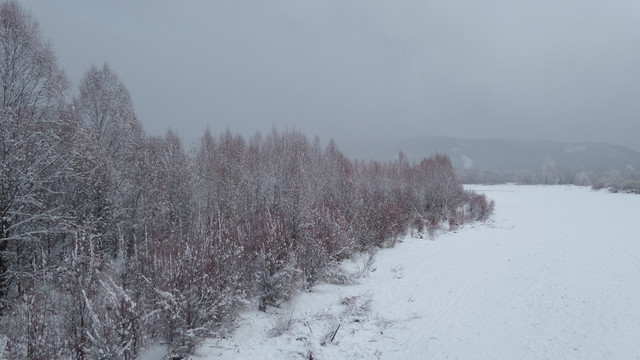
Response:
column 105, row 106
column 32, row 160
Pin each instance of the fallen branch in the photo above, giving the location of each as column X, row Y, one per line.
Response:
column 330, row 336
column 334, row 333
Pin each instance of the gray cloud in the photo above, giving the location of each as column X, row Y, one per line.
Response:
column 560, row 70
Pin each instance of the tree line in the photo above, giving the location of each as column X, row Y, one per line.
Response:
column 111, row 239
column 615, row 180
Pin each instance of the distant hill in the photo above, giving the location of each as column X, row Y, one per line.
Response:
column 501, row 156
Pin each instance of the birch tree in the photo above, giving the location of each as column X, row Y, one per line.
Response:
column 32, row 160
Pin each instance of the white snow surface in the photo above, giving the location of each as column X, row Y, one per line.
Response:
column 554, row 275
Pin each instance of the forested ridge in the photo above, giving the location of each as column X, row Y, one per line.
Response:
column 111, row 239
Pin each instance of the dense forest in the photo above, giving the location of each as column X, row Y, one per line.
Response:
column 111, row 239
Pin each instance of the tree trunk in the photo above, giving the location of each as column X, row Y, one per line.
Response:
column 4, row 243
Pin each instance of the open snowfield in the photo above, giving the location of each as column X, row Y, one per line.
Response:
column 554, row 275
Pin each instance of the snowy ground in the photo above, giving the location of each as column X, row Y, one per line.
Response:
column 554, row 275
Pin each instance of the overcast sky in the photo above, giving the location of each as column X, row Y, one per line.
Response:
column 345, row 69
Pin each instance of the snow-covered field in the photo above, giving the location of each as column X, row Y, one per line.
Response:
column 554, row 275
